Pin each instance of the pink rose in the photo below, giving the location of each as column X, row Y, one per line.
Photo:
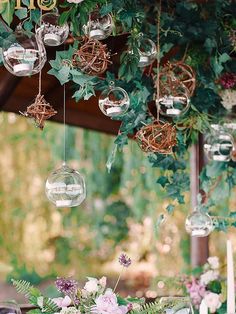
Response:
column 212, row 301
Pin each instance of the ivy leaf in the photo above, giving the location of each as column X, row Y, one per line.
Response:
column 22, row 13
column 163, row 180
column 170, row 208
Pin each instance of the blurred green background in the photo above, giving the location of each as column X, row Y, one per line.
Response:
column 121, row 212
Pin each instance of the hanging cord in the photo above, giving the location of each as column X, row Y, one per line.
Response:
column 158, row 61
column 40, row 60
column 64, row 121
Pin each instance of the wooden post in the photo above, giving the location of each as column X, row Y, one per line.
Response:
column 199, row 246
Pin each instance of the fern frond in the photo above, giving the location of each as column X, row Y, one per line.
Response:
column 149, row 308
column 22, row 287
column 49, row 306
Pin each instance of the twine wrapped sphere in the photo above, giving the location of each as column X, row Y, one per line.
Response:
column 157, row 137
column 40, row 111
column 178, row 73
column 92, row 58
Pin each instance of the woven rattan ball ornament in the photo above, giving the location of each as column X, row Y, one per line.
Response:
column 157, row 137
column 92, row 57
column 40, row 111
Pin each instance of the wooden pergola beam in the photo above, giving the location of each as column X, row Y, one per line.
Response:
column 8, row 84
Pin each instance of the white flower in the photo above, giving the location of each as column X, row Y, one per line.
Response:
column 70, row 310
column 213, row 262
column 74, row 1
column 212, row 301
column 228, row 98
column 208, row 276
column 62, row 302
column 103, row 282
column 92, row 285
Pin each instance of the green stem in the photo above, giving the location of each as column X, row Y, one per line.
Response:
column 118, row 280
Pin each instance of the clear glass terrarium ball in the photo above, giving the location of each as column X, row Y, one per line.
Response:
column 174, row 106
column 50, row 31
column 199, row 224
column 99, row 27
column 23, row 53
column 219, row 145
column 147, row 52
column 114, row 101
column 65, row 187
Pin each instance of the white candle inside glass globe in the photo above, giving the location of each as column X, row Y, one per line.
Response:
column 220, row 158
column 144, row 60
column 113, row 110
column 198, row 233
column 52, row 39
column 97, row 34
column 22, row 68
column 63, row 203
column 173, row 111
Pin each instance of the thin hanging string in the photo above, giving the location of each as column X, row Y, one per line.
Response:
column 64, row 121
column 40, row 29
column 158, row 61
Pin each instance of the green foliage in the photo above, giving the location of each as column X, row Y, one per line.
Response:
column 149, row 308
column 22, row 287
column 214, row 286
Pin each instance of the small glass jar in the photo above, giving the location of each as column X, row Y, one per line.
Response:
column 99, row 27
column 50, row 31
column 114, row 101
column 65, row 187
column 199, row 224
column 23, row 53
column 147, row 51
column 219, row 144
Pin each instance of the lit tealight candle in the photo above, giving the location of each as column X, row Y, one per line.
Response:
column 220, row 158
column 97, row 34
column 143, row 60
column 22, row 69
column 113, row 110
column 173, row 112
column 63, row 203
column 52, row 39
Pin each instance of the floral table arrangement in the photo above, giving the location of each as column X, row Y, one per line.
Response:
column 208, row 288
column 95, row 297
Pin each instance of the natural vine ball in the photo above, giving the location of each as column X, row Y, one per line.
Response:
column 157, row 137
column 92, row 58
column 178, row 72
column 40, row 111
column 65, row 187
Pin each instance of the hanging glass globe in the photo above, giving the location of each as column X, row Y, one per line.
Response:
column 174, row 99
column 199, row 224
column 219, row 144
column 99, row 27
column 147, row 51
column 114, row 101
column 50, row 31
column 23, row 53
column 65, row 187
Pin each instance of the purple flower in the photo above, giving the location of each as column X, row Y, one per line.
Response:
column 196, row 291
column 124, row 260
column 228, row 80
column 67, row 286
